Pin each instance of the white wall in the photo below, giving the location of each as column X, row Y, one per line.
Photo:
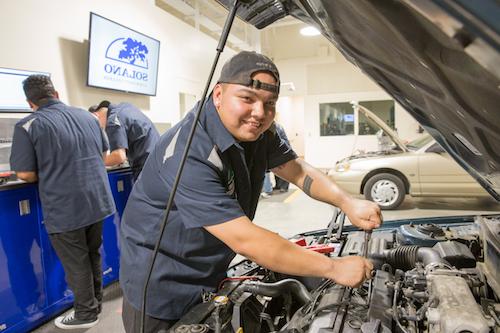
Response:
column 52, row 36
column 291, row 116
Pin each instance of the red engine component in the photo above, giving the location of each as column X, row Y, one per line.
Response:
column 321, row 248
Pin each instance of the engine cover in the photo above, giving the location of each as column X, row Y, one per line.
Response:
column 457, row 310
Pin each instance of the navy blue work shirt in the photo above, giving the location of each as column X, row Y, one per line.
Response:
column 64, row 146
column 127, row 127
column 221, row 181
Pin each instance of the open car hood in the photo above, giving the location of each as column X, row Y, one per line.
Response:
column 438, row 59
column 383, row 126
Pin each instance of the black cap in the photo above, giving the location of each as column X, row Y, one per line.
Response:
column 103, row 104
column 240, row 68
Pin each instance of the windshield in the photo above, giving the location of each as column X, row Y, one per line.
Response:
column 419, row 143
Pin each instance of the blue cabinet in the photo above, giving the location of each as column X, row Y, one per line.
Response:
column 121, row 185
column 32, row 286
column 22, row 287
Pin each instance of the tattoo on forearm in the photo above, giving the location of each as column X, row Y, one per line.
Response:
column 307, row 185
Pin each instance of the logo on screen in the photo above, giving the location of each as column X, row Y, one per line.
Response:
column 129, row 51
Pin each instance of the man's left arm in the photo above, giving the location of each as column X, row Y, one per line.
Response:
column 27, row 176
column 23, row 155
column 362, row 213
column 118, row 142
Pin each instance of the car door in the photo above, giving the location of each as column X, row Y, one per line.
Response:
column 440, row 175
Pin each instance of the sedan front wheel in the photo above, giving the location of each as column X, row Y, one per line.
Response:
column 385, row 189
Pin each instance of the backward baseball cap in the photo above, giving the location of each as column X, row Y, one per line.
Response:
column 240, row 68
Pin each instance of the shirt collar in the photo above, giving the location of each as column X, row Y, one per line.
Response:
column 215, row 128
column 48, row 102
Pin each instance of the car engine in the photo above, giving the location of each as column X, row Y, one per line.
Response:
column 437, row 277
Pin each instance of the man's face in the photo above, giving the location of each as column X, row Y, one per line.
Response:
column 244, row 111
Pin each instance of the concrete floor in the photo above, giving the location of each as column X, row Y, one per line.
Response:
column 293, row 212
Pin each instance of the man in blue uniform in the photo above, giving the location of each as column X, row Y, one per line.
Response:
column 62, row 148
column 131, row 134
column 211, row 219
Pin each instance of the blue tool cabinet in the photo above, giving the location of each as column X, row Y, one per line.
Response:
column 32, row 286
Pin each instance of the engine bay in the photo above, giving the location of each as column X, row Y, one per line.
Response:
column 428, row 277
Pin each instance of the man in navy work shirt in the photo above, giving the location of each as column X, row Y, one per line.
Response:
column 131, row 134
column 62, row 148
column 211, row 219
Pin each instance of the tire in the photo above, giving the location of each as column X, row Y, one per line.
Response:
column 386, row 190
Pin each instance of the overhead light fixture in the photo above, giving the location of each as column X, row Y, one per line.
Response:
column 309, row 31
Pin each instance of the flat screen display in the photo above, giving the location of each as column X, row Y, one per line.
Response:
column 121, row 58
column 348, row 118
column 12, row 98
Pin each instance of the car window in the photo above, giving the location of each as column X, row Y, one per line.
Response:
column 419, row 143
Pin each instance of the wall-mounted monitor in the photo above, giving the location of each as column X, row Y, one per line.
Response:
column 121, row 58
column 12, row 98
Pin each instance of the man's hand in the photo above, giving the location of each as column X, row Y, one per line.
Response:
column 351, row 271
column 363, row 214
column 116, row 157
column 27, row 176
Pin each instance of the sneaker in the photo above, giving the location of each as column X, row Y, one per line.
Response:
column 69, row 322
column 265, row 195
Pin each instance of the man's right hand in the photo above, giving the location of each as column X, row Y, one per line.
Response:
column 351, row 271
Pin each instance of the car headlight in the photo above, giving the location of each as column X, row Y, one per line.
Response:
column 342, row 166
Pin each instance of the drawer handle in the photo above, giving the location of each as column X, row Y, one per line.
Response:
column 24, row 207
column 120, row 186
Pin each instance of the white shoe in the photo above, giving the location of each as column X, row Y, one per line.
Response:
column 69, row 322
column 265, row 195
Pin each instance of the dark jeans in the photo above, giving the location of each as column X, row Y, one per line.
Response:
column 132, row 321
column 281, row 184
column 79, row 253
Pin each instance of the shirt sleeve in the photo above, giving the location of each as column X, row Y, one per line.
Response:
column 116, row 132
column 201, row 198
column 23, row 155
column 279, row 150
column 105, row 141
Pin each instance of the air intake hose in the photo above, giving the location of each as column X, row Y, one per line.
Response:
column 278, row 288
column 405, row 257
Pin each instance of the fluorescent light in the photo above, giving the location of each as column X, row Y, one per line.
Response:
column 309, row 31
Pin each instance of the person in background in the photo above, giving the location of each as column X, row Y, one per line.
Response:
column 131, row 134
column 267, row 187
column 281, row 184
column 62, row 148
column 216, row 200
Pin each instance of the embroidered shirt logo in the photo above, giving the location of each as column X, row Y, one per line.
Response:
column 230, row 186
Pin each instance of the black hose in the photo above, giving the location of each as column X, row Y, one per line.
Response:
column 405, row 257
column 428, row 256
column 278, row 288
